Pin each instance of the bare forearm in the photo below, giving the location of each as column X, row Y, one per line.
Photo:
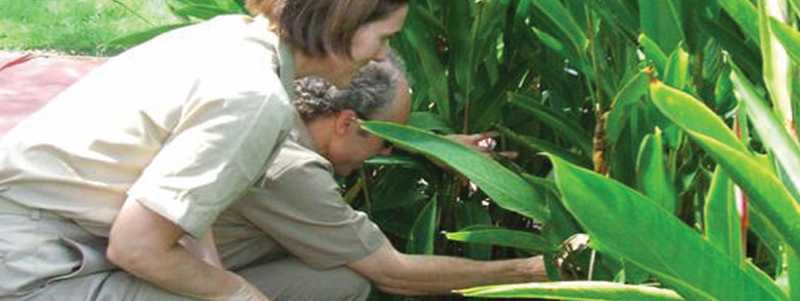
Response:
column 176, row 270
column 146, row 245
column 422, row 275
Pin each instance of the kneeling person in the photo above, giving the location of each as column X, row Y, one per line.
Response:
column 296, row 239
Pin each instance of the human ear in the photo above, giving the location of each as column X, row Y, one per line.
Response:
column 346, row 120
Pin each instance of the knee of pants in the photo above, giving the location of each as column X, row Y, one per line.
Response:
column 353, row 286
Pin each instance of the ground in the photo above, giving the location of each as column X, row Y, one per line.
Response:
column 76, row 26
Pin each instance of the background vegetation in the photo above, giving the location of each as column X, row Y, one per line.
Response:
column 665, row 130
column 76, row 26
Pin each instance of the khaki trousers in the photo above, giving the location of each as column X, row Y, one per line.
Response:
column 43, row 257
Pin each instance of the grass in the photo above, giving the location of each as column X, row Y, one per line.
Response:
column 75, row 26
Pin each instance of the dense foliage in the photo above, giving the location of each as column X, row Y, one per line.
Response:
column 665, row 130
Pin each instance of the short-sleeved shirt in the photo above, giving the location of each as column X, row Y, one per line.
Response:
column 183, row 123
column 296, row 210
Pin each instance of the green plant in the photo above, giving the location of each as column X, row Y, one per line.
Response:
column 669, row 128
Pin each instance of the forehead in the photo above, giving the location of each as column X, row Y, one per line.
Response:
column 392, row 23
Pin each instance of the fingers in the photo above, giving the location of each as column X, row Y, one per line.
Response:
column 483, row 142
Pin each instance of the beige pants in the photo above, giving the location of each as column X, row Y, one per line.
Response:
column 46, row 258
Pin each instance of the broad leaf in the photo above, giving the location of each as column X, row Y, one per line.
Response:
column 423, row 233
column 767, row 194
column 722, row 225
column 789, row 37
column 506, row 188
column 745, row 14
column 660, row 20
column 769, row 128
column 653, row 178
column 689, row 113
column 574, row 290
column 624, row 223
column 653, row 52
column 506, row 238
column 559, row 15
column 777, row 66
column 629, row 95
column 677, row 69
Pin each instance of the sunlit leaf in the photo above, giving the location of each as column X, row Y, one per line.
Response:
column 722, row 226
column 653, row 178
column 574, row 290
column 680, row 257
column 505, row 238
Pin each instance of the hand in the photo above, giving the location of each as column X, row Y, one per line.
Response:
column 482, row 142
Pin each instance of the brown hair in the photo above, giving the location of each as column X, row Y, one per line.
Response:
column 321, row 27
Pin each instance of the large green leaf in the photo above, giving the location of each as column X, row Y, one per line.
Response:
column 789, row 37
column 504, row 237
column 629, row 95
column 767, row 193
column 676, row 72
column 423, row 233
column 691, row 114
column 653, row 52
column 777, row 66
column 565, row 22
column 626, row 224
column 506, row 188
column 653, row 178
column 660, row 20
column 722, row 226
column 769, row 128
column 472, row 214
column 574, row 290
column 794, row 274
column 745, row 14
column 434, row 74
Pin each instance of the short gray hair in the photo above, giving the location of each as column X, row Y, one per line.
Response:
column 370, row 92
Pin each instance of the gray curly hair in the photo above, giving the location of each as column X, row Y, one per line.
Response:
column 370, row 92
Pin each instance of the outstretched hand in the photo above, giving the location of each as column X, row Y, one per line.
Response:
column 482, row 142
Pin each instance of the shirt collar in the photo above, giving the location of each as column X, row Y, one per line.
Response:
column 284, row 59
column 301, row 134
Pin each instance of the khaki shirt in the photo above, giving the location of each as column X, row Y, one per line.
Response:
column 297, row 209
column 183, row 123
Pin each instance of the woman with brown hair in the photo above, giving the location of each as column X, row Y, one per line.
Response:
column 98, row 188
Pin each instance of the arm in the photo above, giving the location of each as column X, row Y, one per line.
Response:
column 204, row 249
column 145, row 244
column 398, row 273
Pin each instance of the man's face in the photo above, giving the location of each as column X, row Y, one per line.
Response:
column 352, row 145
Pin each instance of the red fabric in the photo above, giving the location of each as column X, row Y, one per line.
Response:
column 28, row 82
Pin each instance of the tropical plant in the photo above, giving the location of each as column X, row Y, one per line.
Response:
column 665, row 130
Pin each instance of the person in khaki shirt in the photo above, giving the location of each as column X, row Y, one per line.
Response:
column 296, row 221
column 101, row 190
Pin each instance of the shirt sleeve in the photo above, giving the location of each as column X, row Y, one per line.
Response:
column 302, row 209
column 216, row 151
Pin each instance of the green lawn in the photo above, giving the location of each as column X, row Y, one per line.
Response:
column 75, row 26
